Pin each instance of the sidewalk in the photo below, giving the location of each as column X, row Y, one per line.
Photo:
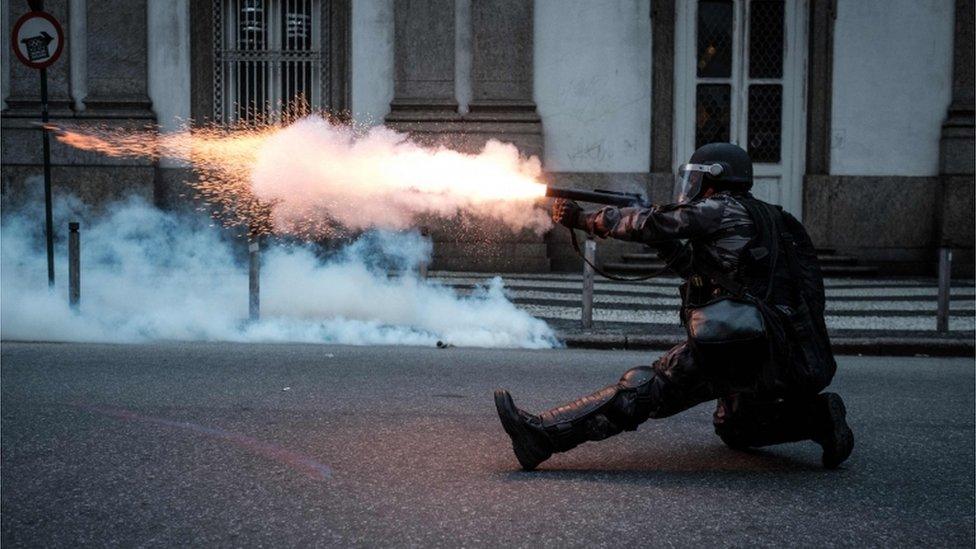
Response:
column 864, row 316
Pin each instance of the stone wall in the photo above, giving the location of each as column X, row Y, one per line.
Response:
column 890, row 150
column 498, row 52
column 100, row 79
column 460, row 72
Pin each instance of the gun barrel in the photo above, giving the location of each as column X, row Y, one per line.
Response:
column 621, row 200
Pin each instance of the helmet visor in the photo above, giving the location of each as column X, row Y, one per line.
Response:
column 688, row 183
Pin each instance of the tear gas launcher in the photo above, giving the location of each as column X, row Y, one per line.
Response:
column 609, row 198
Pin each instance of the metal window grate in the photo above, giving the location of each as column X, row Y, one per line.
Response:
column 766, row 39
column 765, row 122
column 713, row 111
column 715, row 38
column 268, row 59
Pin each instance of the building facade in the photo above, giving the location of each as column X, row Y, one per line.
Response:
column 857, row 113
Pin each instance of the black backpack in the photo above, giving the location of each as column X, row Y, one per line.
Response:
column 800, row 346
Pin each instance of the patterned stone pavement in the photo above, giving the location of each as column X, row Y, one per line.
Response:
column 855, row 307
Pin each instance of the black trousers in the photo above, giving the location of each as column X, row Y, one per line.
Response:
column 743, row 417
column 675, row 382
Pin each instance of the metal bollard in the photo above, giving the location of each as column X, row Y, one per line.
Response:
column 589, row 252
column 422, row 267
column 254, row 280
column 74, row 265
column 945, row 282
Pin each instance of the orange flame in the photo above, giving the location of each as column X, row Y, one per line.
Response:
column 234, row 175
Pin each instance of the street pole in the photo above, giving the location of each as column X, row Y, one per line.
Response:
column 589, row 254
column 945, row 280
column 49, row 216
column 74, row 265
column 254, row 280
column 422, row 267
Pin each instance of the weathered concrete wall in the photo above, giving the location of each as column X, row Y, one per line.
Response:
column 169, row 62
column 372, row 60
column 117, row 71
column 591, row 77
column 892, row 83
column 593, row 84
column 883, row 220
column 115, row 94
column 888, row 200
column 169, row 91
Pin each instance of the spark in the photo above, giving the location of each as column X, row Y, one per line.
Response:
column 315, row 178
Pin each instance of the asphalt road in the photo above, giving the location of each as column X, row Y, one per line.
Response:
column 304, row 445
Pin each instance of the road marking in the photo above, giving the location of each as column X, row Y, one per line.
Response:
column 300, row 462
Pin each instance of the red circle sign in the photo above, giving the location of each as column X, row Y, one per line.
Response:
column 37, row 39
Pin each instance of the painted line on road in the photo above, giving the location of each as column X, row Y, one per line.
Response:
column 300, row 462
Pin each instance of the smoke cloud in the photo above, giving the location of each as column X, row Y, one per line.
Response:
column 153, row 275
column 315, row 171
column 314, row 178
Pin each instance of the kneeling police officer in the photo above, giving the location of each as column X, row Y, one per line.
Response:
column 753, row 306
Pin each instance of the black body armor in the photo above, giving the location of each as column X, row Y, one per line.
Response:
column 722, row 233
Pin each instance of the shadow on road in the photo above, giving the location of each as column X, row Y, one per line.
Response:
column 706, row 464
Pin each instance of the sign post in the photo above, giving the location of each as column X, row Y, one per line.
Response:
column 37, row 40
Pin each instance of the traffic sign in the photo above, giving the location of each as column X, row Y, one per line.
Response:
column 37, row 39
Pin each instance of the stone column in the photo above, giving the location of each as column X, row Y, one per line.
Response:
column 425, row 105
column 956, row 148
column 424, row 65
column 6, row 55
column 820, row 70
column 117, row 59
column 957, row 130
column 502, row 105
column 78, row 11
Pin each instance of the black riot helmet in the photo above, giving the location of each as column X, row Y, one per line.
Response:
column 722, row 166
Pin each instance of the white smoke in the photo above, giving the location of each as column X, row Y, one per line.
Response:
column 151, row 275
column 314, row 172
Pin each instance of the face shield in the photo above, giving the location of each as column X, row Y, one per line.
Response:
column 688, row 183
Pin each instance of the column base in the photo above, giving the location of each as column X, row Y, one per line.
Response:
column 117, row 107
column 470, row 132
column 470, row 243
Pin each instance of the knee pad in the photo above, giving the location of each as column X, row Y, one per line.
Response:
column 635, row 377
column 633, row 404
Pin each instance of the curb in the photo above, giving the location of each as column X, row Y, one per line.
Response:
column 878, row 346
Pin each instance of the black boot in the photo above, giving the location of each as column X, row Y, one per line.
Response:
column 609, row 411
column 746, row 422
column 834, row 435
column 529, row 441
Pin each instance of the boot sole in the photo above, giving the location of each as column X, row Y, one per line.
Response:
column 841, row 435
column 528, row 453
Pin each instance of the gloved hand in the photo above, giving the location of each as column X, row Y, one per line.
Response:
column 566, row 213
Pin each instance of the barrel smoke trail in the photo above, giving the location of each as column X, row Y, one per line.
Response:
column 150, row 275
column 314, row 178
